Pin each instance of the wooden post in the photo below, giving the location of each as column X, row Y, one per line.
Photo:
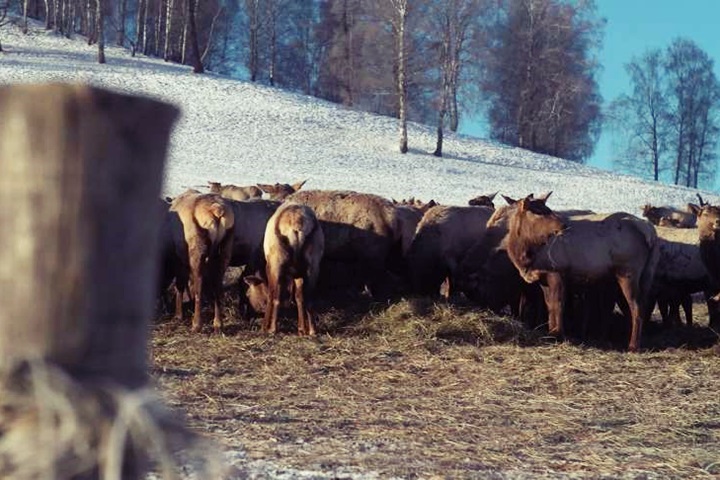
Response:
column 80, row 174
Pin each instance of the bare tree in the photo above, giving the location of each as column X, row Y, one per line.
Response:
column 541, row 77
column 396, row 12
column 453, row 21
column 641, row 118
column 694, row 93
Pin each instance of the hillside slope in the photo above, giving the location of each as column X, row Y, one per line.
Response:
column 241, row 133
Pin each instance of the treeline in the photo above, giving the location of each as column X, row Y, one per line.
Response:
column 530, row 65
column 670, row 123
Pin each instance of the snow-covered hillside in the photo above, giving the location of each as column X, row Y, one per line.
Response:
column 237, row 132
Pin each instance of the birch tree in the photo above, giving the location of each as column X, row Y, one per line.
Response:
column 694, row 93
column 100, row 23
column 641, row 118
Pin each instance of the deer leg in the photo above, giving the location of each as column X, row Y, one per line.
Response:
column 445, row 289
column 197, row 293
column 218, row 302
column 305, row 320
column 687, row 307
column 223, row 259
column 179, row 292
column 181, row 286
column 269, row 311
column 554, row 293
column 630, row 290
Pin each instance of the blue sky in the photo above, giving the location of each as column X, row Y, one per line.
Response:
column 634, row 26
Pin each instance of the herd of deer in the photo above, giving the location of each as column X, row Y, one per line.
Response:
column 538, row 262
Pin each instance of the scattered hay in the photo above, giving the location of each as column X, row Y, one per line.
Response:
column 416, row 388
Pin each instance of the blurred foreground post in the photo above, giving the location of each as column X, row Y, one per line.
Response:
column 80, row 175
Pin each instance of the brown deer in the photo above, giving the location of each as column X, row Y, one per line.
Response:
column 544, row 246
column 280, row 191
column 293, row 246
column 442, row 238
column 234, row 192
column 670, row 216
column 207, row 223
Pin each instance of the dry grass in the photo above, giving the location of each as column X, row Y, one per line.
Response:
column 419, row 390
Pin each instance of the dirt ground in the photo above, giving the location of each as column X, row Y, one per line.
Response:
column 414, row 389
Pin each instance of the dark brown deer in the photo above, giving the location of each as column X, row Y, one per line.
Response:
column 483, row 201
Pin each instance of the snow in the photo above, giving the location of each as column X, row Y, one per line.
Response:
column 236, row 132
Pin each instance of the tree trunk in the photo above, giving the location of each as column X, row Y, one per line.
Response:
column 186, row 27
column 254, row 27
column 349, row 59
column 168, row 29
column 122, row 20
column 197, row 62
column 25, row 16
column 139, row 25
column 48, row 18
column 146, row 8
column 158, row 27
column 56, row 14
column 273, row 39
column 75, row 13
column 67, row 11
column 100, row 20
column 401, row 74
column 210, row 35
column 91, row 29
column 74, row 326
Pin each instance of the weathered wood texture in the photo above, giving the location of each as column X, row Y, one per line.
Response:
column 79, row 168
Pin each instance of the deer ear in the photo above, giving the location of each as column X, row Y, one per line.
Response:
column 696, row 209
column 508, row 200
column 492, row 197
column 543, row 198
column 299, row 185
